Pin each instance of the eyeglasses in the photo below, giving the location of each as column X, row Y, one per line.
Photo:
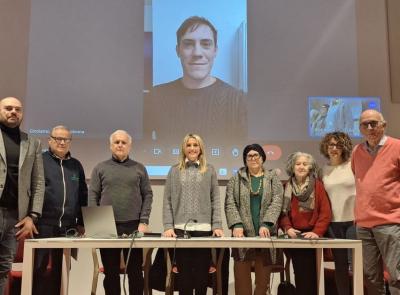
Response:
column 250, row 157
column 61, row 139
column 335, row 145
column 372, row 124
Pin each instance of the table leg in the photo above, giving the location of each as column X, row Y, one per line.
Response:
column 320, row 271
column 220, row 258
column 358, row 280
column 66, row 267
column 27, row 269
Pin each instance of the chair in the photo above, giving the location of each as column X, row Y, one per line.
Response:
column 146, row 268
column 13, row 286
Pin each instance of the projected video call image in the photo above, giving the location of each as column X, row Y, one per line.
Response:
column 198, row 78
column 234, row 72
column 329, row 114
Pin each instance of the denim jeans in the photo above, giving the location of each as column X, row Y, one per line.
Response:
column 8, row 243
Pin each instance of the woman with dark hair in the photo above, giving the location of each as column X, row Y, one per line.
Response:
column 192, row 206
column 306, row 213
column 252, row 206
column 339, row 183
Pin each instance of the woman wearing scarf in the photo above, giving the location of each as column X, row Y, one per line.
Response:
column 192, row 206
column 253, row 204
column 306, row 213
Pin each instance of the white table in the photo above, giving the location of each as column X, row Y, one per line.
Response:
column 68, row 243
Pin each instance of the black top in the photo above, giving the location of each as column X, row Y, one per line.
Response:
column 65, row 193
column 12, row 140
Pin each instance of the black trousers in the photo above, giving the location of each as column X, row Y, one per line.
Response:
column 225, row 270
column 305, row 270
column 111, row 259
column 193, row 265
column 48, row 282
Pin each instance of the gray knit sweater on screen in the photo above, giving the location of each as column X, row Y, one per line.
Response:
column 189, row 194
column 124, row 185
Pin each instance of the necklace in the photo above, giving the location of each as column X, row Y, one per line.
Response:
column 260, row 184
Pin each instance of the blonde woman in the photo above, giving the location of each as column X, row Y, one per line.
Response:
column 192, row 203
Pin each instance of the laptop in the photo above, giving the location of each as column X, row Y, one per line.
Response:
column 99, row 222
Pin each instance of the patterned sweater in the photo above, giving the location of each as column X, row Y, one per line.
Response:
column 189, row 194
column 238, row 211
column 237, row 201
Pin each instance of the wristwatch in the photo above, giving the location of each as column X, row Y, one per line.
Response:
column 34, row 217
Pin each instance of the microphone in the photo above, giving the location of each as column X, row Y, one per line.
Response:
column 186, row 235
column 135, row 234
column 138, row 234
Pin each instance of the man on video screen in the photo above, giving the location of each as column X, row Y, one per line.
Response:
column 197, row 102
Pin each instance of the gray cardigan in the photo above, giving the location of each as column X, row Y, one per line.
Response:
column 237, row 205
column 210, row 210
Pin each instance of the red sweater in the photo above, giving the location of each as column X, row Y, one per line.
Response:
column 377, row 184
column 316, row 221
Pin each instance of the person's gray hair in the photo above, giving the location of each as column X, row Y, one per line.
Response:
column 62, row 127
column 121, row 131
column 291, row 161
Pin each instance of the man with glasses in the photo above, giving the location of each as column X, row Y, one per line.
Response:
column 376, row 166
column 21, row 183
column 66, row 192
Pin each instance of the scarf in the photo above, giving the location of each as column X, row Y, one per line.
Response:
column 304, row 195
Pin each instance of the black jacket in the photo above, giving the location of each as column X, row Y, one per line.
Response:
column 65, row 193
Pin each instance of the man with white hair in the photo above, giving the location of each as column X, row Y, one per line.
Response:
column 376, row 167
column 124, row 184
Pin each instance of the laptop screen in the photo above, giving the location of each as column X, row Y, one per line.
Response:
column 99, row 222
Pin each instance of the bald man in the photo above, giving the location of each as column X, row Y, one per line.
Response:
column 21, row 183
column 376, row 166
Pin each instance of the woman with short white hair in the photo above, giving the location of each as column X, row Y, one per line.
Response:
column 306, row 214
